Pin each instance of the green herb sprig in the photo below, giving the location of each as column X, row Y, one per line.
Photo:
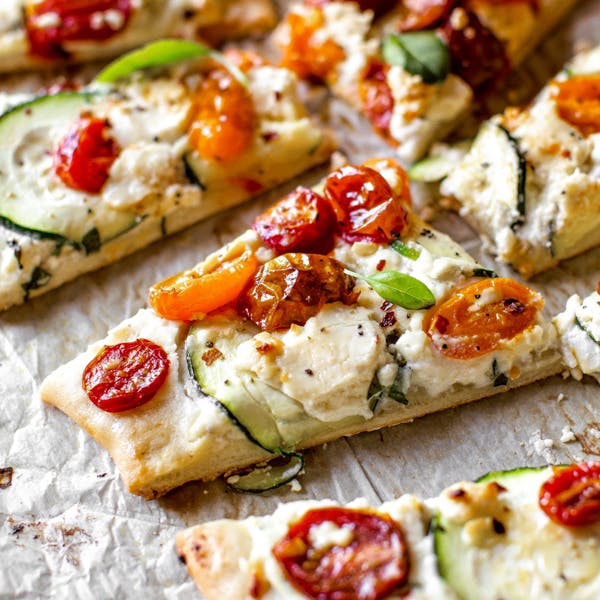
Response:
column 399, row 288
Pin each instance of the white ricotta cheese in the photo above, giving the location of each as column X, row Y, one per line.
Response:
column 579, row 330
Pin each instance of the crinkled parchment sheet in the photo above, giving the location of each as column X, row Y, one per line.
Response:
column 68, row 528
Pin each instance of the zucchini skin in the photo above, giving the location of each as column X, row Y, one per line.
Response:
column 521, row 205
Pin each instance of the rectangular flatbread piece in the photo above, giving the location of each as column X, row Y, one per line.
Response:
column 287, row 364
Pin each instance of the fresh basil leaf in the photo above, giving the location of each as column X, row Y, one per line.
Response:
column 406, row 250
column 420, row 53
column 160, row 54
column 399, row 288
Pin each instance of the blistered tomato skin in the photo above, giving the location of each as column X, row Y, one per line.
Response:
column 578, row 102
column 126, row 375
column 371, row 565
column 571, row 497
column 376, row 97
column 292, row 288
column 302, row 221
column 224, row 118
column 51, row 23
column 425, row 14
column 366, row 207
column 478, row 318
column 83, row 158
column 476, row 54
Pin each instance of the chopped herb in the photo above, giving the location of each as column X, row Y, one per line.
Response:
column 406, row 250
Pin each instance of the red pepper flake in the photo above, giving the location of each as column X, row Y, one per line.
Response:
column 441, row 324
column 389, row 319
column 211, row 355
column 250, row 185
column 264, row 348
column 380, row 265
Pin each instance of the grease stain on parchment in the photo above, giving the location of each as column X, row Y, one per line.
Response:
column 62, row 539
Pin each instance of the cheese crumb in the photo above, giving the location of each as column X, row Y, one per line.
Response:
column 567, row 435
column 328, row 534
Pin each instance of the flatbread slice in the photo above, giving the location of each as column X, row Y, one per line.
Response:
column 530, row 184
column 91, row 175
column 36, row 35
column 278, row 365
column 475, row 541
column 417, row 70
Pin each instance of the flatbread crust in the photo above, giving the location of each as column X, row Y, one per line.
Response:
column 216, row 20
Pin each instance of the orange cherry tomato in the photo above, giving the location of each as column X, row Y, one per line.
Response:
column 571, row 497
column 373, row 564
column 478, row 318
column 190, row 295
column 50, row 23
column 425, row 14
column 302, row 221
column 578, row 102
column 367, row 208
column 125, row 375
column 292, row 288
column 224, row 118
column 85, row 155
column 306, row 54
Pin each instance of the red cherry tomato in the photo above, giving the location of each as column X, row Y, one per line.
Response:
column 571, row 497
column 373, row 564
column 376, row 98
column 425, row 14
column 366, row 207
column 478, row 318
column 476, row 54
column 126, row 375
column 302, row 221
column 50, row 23
column 85, row 155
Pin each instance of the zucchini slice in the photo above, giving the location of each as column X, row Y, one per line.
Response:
column 436, row 167
column 269, row 477
column 31, row 200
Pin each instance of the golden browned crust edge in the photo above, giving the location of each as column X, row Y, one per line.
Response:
column 216, row 556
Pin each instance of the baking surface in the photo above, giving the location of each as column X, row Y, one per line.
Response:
column 69, row 529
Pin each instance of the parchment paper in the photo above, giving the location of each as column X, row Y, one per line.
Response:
column 68, row 529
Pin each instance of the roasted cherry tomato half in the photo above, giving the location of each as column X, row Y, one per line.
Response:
column 376, row 98
column 85, row 155
column 578, row 102
column 51, row 23
column 224, row 118
column 302, row 221
column 478, row 318
column 366, row 207
column 191, row 294
column 571, row 497
column 476, row 54
column 425, row 14
column 371, row 563
column 292, row 288
column 304, row 51
column 125, row 375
